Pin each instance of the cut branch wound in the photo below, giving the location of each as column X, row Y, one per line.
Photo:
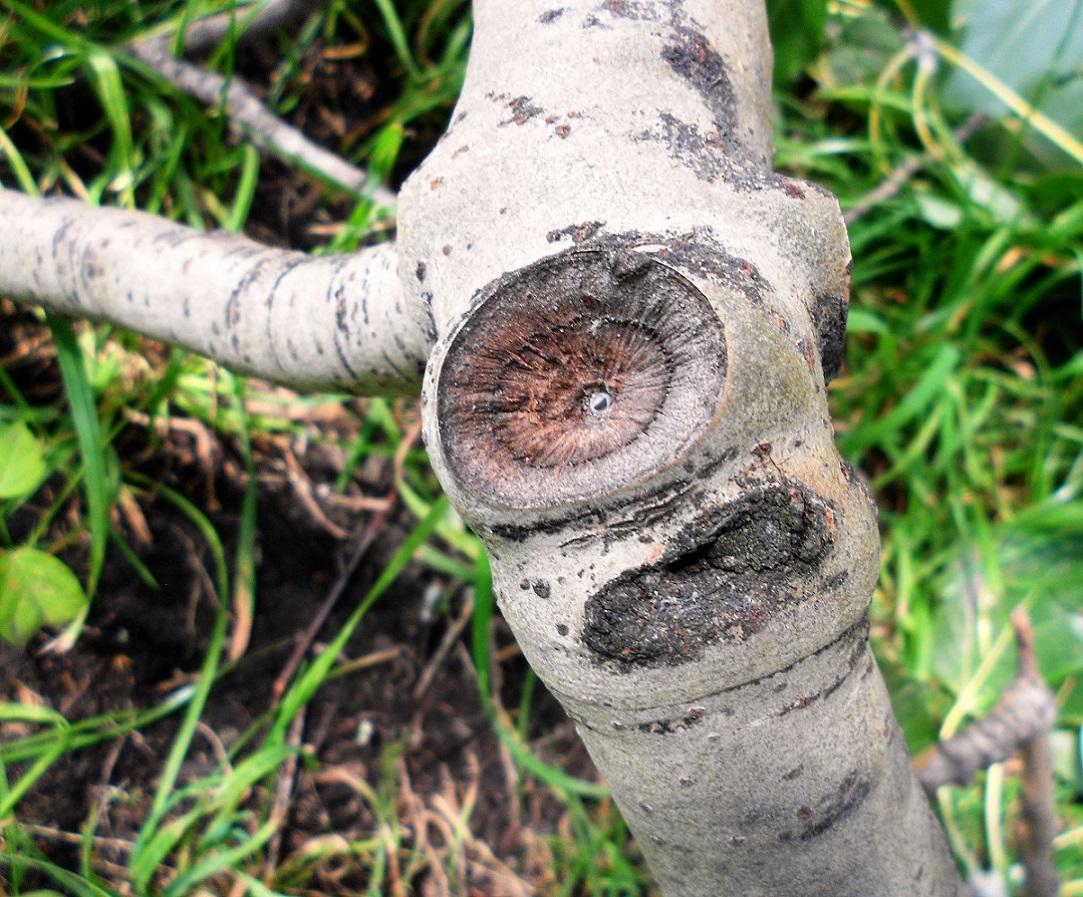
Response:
column 728, row 575
column 586, row 369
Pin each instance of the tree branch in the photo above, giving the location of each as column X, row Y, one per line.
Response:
column 250, row 115
column 1026, row 710
column 1022, row 720
column 247, row 22
column 329, row 323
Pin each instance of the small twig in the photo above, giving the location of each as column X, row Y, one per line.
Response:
column 283, row 792
column 246, row 111
column 1021, row 720
column 205, row 34
column 445, row 646
column 337, row 590
column 120, row 845
column 898, row 177
column 302, row 488
column 1039, row 815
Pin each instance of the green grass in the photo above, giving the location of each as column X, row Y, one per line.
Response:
column 961, row 399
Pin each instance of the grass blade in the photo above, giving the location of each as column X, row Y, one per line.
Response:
column 88, row 430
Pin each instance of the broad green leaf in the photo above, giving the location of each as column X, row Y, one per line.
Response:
column 984, row 192
column 36, row 590
column 1033, row 47
column 860, row 50
column 1045, row 572
column 22, row 461
column 1070, row 704
column 919, row 704
column 939, row 212
column 1066, row 758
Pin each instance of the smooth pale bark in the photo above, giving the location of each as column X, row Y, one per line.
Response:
column 331, row 323
column 627, row 402
column 634, row 320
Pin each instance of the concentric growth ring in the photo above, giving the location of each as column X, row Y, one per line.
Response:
column 578, row 375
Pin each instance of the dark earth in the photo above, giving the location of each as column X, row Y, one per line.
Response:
column 408, row 721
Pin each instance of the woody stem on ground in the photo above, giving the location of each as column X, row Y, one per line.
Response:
column 328, row 323
column 1021, row 721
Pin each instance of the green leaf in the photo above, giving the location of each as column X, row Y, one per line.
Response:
column 106, row 79
column 36, row 590
column 861, row 49
column 919, row 704
column 1034, row 47
column 1043, row 571
column 797, row 33
column 934, row 13
column 88, row 429
column 938, row 212
column 22, row 461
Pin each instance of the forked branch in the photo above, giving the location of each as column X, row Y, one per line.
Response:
column 1021, row 721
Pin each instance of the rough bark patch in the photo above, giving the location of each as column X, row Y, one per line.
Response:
column 829, row 318
column 734, row 567
column 692, row 56
column 578, row 375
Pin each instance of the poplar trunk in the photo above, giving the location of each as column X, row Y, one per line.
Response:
column 631, row 319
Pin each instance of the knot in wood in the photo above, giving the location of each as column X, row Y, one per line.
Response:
column 576, row 376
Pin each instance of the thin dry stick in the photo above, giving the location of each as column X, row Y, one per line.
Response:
column 1038, row 824
column 359, row 552
column 283, row 792
column 246, row 111
column 445, row 646
column 895, row 181
column 1021, row 720
column 246, row 23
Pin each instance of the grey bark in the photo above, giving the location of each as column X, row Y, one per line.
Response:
column 634, row 319
column 330, row 323
column 244, row 23
column 627, row 403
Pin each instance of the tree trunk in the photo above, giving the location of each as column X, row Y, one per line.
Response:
column 631, row 412
column 635, row 318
